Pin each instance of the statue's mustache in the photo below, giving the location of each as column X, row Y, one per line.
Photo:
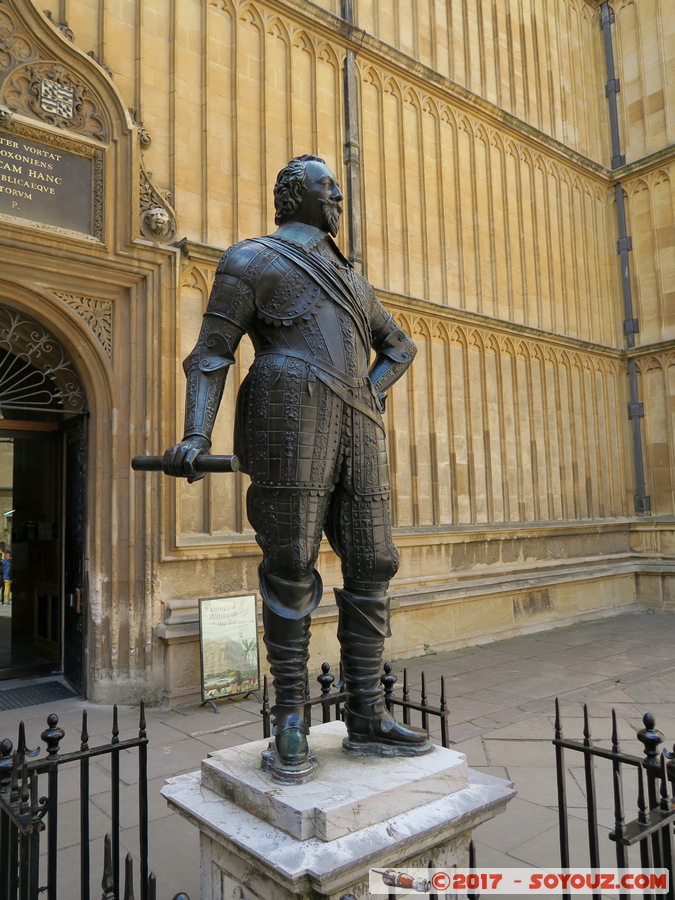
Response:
column 332, row 205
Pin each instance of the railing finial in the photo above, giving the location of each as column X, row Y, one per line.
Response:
column 84, row 733
column 558, row 721
column 650, row 737
column 615, row 734
column 325, row 679
column 587, row 728
column 107, row 882
column 52, row 735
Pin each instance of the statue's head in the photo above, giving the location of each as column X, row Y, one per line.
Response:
column 307, row 191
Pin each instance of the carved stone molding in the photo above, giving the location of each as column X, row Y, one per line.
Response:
column 158, row 218
column 16, row 46
column 98, row 314
column 143, row 133
column 51, row 229
column 33, row 83
column 48, row 91
column 63, row 28
column 108, row 71
column 99, row 195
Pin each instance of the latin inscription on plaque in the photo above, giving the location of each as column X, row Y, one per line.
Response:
column 45, row 184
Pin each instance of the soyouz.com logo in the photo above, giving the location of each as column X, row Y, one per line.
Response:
column 384, row 882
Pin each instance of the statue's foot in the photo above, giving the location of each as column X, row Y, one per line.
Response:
column 380, row 734
column 288, row 757
column 283, row 772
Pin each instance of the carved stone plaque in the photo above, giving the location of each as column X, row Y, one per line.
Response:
column 46, row 183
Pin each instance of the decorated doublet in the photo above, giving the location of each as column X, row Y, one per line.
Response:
column 308, row 426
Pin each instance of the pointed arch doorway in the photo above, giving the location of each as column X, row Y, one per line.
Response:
column 43, row 417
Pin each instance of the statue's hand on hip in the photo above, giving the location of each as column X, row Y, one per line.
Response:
column 179, row 460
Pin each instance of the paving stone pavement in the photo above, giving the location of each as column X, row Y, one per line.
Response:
column 501, row 714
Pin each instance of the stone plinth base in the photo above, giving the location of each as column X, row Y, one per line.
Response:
column 264, row 841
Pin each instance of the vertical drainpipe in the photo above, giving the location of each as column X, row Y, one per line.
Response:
column 352, row 150
column 624, row 245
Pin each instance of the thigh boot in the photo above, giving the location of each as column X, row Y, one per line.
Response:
column 371, row 729
column 287, row 643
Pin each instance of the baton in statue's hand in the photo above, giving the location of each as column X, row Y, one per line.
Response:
column 203, row 463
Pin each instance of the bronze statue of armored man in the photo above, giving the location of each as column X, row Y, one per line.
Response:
column 309, row 433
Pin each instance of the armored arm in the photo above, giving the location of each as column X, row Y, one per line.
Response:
column 206, row 371
column 394, row 348
column 226, row 318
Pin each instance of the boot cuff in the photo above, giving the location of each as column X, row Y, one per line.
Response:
column 360, row 609
column 291, row 599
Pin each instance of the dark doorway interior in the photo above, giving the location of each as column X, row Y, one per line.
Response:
column 42, row 482
column 42, row 504
column 30, row 617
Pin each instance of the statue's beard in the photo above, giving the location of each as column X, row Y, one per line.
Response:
column 331, row 216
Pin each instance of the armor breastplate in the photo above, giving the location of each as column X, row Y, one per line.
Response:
column 283, row 292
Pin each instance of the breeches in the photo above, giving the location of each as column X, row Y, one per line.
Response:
column 289, row 526
column 316, row 464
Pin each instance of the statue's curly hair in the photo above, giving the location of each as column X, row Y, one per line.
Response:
column 289, row 185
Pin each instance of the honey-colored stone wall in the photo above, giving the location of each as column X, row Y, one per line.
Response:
column 228, row 91
column 650, row 208
column 542, row 64
column 645, row 62
column 462, row 211
column 650, row 203
column 657, row 376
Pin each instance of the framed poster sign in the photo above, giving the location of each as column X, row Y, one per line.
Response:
column 228, row 645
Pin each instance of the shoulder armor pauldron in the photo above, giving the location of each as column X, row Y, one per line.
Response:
column 245, row 260
column 283, row 292
column 224, row 259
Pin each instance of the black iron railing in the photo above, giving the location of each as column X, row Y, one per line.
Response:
column 650, row 831
column 29, row 809
column 108, row 880
column 327, row 707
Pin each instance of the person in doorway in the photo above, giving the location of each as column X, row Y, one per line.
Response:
column 3, row 547
column 7, row 577
column 310, row 434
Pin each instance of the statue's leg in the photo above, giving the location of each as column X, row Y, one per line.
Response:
column 360, row 532
column 288, row 527
column 287, row 644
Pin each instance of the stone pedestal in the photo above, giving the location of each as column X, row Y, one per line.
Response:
column 264, row 841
